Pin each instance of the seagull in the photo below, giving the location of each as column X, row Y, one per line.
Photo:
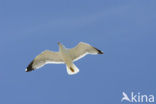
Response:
column 64, row 56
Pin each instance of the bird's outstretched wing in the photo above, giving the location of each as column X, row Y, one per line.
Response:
column 45, row 57
column 83, row 49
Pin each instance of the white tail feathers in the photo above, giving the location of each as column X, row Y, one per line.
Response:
column 72, row 69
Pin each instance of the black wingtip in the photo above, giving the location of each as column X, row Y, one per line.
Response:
column 29, row 68
column 99, row 51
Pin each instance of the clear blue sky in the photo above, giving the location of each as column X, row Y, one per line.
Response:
column 123, row 29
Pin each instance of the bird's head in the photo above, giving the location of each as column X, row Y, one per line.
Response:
column 60, row 45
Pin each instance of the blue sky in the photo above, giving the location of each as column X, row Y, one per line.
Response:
column 124, row 30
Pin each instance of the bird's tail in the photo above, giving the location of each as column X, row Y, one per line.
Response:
column 72, row 69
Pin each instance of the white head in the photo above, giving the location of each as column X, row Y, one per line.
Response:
column 60, row 46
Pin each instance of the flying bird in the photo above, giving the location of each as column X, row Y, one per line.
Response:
column 64, row 56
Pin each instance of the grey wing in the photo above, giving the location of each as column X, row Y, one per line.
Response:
column 83, row 49
column 45, row 57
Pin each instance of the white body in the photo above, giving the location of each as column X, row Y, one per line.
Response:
column 68, row 60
